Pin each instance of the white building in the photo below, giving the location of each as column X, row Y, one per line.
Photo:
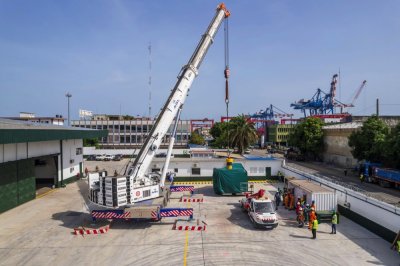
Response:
column 127, row 132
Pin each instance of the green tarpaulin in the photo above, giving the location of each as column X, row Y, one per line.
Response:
column 230, row 181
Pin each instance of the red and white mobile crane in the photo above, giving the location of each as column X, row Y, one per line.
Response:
column 139, row 185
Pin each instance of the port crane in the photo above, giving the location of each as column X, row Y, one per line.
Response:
column 321, row 102
column 139, row 185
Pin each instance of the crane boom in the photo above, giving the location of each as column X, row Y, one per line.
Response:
column 137, row 185
column 177, row 96
column 358, row 92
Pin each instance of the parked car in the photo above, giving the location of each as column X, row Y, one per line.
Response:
column 91, row 158
column 100, row 157
column 163, row 155
column 117, row 157
column 109, row 157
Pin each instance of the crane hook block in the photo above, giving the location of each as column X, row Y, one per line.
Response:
column 223, row 7
column 227, row 73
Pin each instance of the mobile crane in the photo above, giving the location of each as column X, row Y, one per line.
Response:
column 121, row 192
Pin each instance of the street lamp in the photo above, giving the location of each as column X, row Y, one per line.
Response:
column 68, row 95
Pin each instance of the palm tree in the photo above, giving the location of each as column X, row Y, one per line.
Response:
column 242, row 133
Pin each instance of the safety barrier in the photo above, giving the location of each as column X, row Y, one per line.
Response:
column 83, row 231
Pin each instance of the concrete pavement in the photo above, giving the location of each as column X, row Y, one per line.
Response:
column 40, row 233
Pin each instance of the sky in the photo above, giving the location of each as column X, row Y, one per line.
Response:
column 279, row 52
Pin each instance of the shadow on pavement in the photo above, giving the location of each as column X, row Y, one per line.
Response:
column 72, row 219
column 297, row 236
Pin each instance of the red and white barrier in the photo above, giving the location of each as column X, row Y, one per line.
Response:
column 110, row 215
column 191, row 200
column 191, row 228
column 83, row 231
column 190, row 225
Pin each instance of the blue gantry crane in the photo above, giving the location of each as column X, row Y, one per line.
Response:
column 269, row 114
column 321, row 103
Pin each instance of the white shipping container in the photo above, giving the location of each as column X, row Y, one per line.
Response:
column 325, row 199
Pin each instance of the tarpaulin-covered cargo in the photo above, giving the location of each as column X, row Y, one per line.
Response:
column 324, row 198
column 230, row 181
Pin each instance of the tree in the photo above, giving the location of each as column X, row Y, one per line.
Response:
column 242, row 133
column 128, row 117
column 369, row 142
column 308, row 137
column 392, row 148
column 219, row 134
column 91, row 143
column 196, row 138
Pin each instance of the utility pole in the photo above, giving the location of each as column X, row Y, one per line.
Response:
column 377, row 107
column 68, row 95
column 149, row 79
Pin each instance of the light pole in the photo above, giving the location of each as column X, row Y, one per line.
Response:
column 68, row 95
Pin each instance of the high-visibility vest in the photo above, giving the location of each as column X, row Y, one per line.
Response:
column 315, row 224
column 334, row 219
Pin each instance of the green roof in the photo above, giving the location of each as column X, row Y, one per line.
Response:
column 17, row 132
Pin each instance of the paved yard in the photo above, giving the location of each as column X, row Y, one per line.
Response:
column 40, row 233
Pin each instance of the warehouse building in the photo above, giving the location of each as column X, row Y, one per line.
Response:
column 36, row 155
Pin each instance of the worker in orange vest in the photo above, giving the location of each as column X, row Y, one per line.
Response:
column 287, row 200
column 291, row 199
column 312, row 218
column 313, row 205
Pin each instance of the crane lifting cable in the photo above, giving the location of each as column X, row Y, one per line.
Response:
column 227, row 74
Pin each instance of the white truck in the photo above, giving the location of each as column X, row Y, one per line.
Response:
column 261, row 211
column 139, row 185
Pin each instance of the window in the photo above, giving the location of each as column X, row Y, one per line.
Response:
column 195, row 171
column 78, row 151
column 176, row 170
column 154, row 170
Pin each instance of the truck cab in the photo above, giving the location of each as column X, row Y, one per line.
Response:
column 261, row 212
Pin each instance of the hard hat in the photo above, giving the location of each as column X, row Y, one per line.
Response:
column 307, row 205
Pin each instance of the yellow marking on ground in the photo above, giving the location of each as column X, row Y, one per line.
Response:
column 46, row 193
column 193, row 183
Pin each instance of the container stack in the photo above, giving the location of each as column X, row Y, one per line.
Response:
column 129, row 189
column 115, row 191
column 101, row 195
column 93, row 195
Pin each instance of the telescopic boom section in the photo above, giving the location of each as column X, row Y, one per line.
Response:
column 176, row 98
